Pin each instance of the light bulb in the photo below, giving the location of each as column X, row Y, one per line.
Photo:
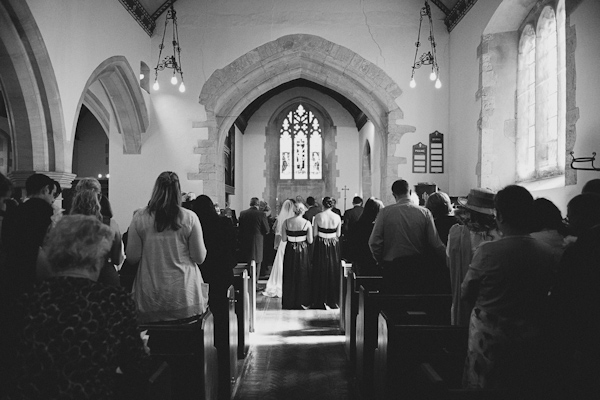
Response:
column 438, row 84
column 182, row 87
column 174, row 80
column 99, row 176
column 413, row 83
column 432, row 76
column 107, row 176
column 141, row 76
column 155, row 86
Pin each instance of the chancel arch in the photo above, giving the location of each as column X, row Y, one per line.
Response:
column 300, row 56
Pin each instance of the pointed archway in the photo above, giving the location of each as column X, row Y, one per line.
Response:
column 230, row 90
column 113, row 90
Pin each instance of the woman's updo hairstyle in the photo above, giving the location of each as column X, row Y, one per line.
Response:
column 327, row 202
column 299, row 208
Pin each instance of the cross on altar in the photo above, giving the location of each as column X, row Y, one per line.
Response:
column 345, row 189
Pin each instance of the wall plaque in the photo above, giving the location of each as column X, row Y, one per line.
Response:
column 436, row 153
column 419, row 158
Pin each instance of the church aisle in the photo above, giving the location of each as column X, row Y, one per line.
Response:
column 295, row 354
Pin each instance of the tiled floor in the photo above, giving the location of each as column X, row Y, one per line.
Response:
column 295, row 354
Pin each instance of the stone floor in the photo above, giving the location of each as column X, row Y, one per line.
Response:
column 295, row 354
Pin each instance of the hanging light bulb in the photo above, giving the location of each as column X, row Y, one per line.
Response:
column 141, row 76
column 433, row 75
column 438, row 83
column 413, row 83
column 174, row 80
column 182, row 87
column 155, row 86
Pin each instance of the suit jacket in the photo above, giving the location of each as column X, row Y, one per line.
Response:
column 253, row 225
column 351, row 216
column 310, row 213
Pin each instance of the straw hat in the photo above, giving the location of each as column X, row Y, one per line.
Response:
column 480, row 200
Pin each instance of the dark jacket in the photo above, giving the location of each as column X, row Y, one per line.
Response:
column 23, row 232
column 253, row 225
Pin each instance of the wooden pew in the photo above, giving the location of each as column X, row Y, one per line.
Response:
column 431, row 309
column 404, row 352
column 346, row 270
column 353, row 282
column 228, row 361
column 437, row 387
column 190, row 352
column 241, row 284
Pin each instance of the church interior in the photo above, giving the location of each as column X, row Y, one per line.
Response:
column 471, row 94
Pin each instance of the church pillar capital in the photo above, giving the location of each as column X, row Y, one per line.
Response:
column 65, row 179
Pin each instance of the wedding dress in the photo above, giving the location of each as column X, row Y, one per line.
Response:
column 274, row 286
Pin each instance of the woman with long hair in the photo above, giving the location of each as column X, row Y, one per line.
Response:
column 168, row 242
column 87, row 202
column 363, row 262
column 297, row 233
column 217, row 271
column 275, row 283
column 326, row 257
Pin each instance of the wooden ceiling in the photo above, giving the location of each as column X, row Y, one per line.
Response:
column 146, row 12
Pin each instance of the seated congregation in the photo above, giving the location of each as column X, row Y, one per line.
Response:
column 496, row 298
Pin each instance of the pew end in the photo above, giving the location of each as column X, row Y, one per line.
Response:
column 190, row 352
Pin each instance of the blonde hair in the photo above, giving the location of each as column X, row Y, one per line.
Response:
column 78, row 242
column 86, row 202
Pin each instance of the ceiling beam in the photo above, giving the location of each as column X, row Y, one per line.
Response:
column 441, row 6
column 139, row 13
column 162, row 9
column 457, row 13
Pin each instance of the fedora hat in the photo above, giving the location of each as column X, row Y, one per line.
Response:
column 480, row 200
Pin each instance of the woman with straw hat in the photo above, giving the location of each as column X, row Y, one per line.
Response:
column 476, row 225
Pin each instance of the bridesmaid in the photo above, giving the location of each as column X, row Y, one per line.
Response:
column 297, row 232
column 327, row 257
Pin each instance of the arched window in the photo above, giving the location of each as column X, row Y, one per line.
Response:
column 300, row 145
column 540, row 77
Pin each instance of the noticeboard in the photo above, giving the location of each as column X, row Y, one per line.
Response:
column 436, row 153
column 419, row 158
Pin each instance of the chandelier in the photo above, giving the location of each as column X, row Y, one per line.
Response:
column 428, row 58
column 173, row 61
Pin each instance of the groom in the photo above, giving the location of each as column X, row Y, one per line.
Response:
column 253, row 227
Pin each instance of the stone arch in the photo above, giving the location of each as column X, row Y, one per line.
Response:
column 118, row 94
column 32, row 98
column 231, row 89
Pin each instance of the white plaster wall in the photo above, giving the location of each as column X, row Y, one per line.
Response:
column 464, row 108
column 254, row 138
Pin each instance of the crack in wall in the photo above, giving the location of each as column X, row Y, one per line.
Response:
column 362, row 3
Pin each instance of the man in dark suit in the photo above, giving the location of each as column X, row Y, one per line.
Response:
column 313, row 209
column 253, row 226
column 23, row 233
column 351, row 216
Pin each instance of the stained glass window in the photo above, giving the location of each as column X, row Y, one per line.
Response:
column 300, row 145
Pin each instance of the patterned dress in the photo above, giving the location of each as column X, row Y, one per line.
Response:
column 71, row 335
column 296, row 271
column 326, row 268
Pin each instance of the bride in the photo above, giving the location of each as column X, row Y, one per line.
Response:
column 275, row 283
